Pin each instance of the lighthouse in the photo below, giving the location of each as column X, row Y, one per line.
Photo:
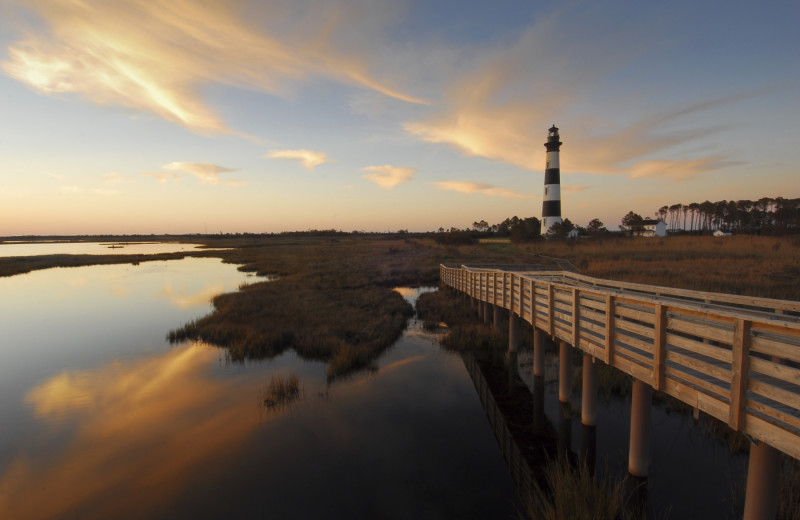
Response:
column 551, row 206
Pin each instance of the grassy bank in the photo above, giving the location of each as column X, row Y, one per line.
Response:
column 333, row 300
column 768, row 267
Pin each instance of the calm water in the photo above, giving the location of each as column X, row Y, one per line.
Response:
column 103, row 419
column 92, row 248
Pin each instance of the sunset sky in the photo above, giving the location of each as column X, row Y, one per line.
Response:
column 188, row 116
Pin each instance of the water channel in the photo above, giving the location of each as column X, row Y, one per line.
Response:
column 102, row 418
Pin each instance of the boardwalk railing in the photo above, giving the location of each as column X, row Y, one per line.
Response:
column 736, row 358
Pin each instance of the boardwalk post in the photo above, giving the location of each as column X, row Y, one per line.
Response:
column 513, row 332
column 538, row 352
column 564, row 372
column 589, row 392
column 639, row 449
column 763, row 469
column 487, row 312
column 496, row 316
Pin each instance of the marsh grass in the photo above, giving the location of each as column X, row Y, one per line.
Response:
column 281, row 392
column 572, row 492
column 332, row 301
column 767, row 267
column 14, row 265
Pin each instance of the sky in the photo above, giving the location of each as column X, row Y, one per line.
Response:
column 190, row 116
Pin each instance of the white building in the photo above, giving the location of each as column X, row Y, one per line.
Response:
column 652, row 228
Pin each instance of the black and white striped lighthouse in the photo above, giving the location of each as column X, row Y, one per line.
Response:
column 551, row 206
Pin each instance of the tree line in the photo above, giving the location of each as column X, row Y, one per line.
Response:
column 517, row 230
column 766, row 215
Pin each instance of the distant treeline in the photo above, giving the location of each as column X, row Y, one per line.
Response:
column 764, row 216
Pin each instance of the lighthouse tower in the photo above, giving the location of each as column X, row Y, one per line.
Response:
column 551, row 207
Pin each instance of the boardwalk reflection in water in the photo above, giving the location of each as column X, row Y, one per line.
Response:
column 533, row 428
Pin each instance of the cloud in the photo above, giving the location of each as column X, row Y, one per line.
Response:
column 207, row 173
column 155, row 55
column 572, row 188
column 387, row 176
column 113, row 178
column 163, row 177
column 485, row 189
column 309, row 158
column 501, row 104
column 680, row 169
column 72, row 189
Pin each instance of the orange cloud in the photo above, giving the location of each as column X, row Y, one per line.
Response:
column 153, row 55
column 572, row 188
column 485, row 189
column 309, row 158
column 501, row 106
column 679, row 169
column 387, row 176
column 207, row 173
column 163, row 177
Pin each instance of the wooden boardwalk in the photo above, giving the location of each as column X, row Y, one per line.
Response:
column 736, row 358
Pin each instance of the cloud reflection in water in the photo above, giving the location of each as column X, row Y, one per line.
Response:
column 127, row 437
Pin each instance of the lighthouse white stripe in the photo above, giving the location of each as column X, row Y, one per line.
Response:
column 552, row 160
column 552, row 192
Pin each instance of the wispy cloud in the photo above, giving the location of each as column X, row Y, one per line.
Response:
column 113, row 178
column 154, row 55
column 207, row 173
column 309, row 158
column 164, row 177
column 387, row 176
column 501, row 104
column 484, row 189
column 572, row 188
column 56, row 176
column 680, row 169
column 72, row 189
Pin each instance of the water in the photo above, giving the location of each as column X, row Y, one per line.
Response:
column 103, row 419
column 8, row 249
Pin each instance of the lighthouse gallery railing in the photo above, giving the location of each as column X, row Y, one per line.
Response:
column 736, row 358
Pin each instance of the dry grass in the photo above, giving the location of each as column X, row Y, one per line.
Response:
column 281, row 392
column 768, row 267
column 573, row 493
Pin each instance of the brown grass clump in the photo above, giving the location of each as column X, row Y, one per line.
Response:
column 575, row 494
column 281, row 392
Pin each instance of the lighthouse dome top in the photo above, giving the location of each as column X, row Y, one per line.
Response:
column 553, row 142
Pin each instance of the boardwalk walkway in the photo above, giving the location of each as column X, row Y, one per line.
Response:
column 736, row 358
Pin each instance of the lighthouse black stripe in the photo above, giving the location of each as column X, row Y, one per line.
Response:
column 551, row 208
column 552, row 176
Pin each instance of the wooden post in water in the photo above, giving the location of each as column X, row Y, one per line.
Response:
column 538, row 352
column 513, row 332
column 589, row 392
column 639, row 449
column 564, row 372
column 496, row 317
column 487, row 312
column 763, row 470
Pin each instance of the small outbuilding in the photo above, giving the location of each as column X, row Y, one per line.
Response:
column 653, row 228
column 720, row 233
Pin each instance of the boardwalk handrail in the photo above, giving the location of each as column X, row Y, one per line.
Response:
column 736, row 358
